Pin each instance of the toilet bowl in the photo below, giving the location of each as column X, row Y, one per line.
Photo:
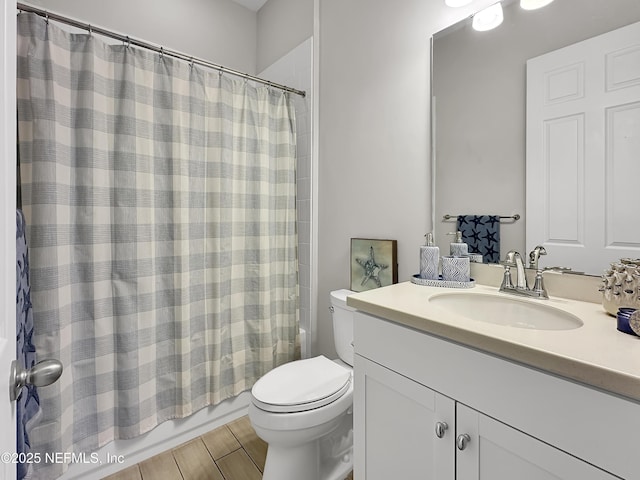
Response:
column 303, row 409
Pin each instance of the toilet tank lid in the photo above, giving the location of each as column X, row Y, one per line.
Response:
column 339, row 297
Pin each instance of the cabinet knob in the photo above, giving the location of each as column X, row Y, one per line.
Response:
column 462, row 441
column 441, row 427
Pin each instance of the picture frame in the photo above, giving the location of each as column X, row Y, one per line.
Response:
column 374, row 263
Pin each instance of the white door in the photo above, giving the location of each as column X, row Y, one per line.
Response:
column 495, row 451
column 395, row 421
column 8, row 229
column 583, row 139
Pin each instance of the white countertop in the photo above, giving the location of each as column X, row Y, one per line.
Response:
column 595, row 354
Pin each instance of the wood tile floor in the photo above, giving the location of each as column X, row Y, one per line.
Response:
column 231, row 452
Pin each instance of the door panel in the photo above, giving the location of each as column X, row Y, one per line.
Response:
column 583, row 135
column 622, row 165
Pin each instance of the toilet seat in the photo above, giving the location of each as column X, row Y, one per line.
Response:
column 301, row 385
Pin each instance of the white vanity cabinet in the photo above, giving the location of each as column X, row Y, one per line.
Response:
column 503, row 420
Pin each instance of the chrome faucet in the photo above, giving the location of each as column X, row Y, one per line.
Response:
column 514, row 259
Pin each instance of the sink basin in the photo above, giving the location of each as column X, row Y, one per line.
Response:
column 507, row 311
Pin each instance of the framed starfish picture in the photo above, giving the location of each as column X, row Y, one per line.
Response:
column 374, row 263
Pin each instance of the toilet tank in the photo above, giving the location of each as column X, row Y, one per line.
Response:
column 342, row 325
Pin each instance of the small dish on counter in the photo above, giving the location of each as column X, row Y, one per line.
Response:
column 624, row 321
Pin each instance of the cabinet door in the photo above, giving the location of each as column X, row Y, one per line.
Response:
column 496, row 451
column 395, row 427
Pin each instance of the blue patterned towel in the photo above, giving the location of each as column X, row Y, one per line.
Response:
column 482, row 234
column 28, row 404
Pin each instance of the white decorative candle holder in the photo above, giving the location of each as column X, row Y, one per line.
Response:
column 455, row 269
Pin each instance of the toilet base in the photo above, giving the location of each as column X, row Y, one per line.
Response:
column 327, row 458
column 290, row 463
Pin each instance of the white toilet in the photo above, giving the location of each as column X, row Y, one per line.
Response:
column 302, row 409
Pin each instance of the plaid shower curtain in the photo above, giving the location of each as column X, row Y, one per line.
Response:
column 160, row 207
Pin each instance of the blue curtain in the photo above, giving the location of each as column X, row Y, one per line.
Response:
column 28, row 402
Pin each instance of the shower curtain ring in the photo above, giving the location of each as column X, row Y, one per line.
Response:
column 128, row 41
column 191, row 63
column 46, row 18
column 161, row 52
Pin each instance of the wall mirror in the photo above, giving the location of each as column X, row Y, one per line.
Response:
column 479, row 112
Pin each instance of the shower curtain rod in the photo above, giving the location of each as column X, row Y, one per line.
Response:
column 161, row 50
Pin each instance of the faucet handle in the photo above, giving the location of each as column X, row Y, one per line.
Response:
column 535, row 254
column 538, row 250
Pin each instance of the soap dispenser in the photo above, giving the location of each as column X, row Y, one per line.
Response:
column 458, row 248
column 429, row 258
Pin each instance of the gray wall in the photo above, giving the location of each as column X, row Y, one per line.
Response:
column 282, row 26
column 480, row 88
column 374, row 148
column 219, row 31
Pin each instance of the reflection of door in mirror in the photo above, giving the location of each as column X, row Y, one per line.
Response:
column 583, row 143
column 479, row 112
